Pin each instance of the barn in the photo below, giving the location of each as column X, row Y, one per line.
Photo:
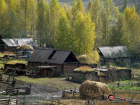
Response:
column 65, row 61
column 40, row 57
column 11, row 44
column 114, row 54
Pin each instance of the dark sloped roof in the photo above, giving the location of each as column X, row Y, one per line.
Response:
column 18, row 42
column 115, row 51
column 61, row 56
column 40, row 55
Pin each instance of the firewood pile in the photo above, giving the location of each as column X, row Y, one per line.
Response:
column 111, row 74
column 32, row 73
column 17, row 72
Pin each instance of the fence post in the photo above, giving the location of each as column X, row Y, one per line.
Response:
column 118, row 84
column 63, row 93
column 103, row 96
column 70, row 90
column 58, row 102
column 30, row 88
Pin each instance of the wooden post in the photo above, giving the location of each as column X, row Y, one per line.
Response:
column 30, row 88
column 118, row 84
column 63, row 93
column 103, row 96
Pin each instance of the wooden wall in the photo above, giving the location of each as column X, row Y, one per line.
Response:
column 58, row 71
column 7, row 48
column 127, row 60
column 121, row 60
column 66, row 68
column 69, row 68
column 79, row 76
column 123, row 73
column 34, row 64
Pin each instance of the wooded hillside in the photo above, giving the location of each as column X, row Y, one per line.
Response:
column 74, row 27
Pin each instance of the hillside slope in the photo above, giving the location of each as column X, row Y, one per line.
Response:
column 118, row 3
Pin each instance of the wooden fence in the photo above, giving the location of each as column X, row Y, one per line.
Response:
column 18, row 90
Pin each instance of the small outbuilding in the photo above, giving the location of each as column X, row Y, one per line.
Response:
column 114, row 54
column 8, row 44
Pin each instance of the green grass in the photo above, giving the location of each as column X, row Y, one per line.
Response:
column 128, row 87
column 56, row 82
column 126, row 81
column 17, row 61
column 1, row 54
column 12, row 62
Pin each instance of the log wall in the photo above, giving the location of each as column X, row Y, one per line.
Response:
column 69, row 67
column 58, row 71
column 79, row 76
column 123, row 73
column 66, row 68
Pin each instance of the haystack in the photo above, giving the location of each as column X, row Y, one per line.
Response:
column 25, row 47
column 84, row 69
column 94, row 87
column 84, row 59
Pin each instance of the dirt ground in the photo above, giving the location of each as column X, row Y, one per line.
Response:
column 42, row 89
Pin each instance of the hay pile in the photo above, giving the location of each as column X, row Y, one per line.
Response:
column 94, row 87
column 84, row 69
column 25, row 47
column 85, row 59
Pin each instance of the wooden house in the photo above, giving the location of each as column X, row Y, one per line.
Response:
column 40, row 57
column 11, row 44
column 65, row 61
column 114, row 54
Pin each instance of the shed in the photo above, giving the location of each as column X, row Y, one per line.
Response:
column 114, row 54
column 11, row 44
column 40, row 57
column 65, row 61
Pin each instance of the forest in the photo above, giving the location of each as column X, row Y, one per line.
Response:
column 74, row 27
